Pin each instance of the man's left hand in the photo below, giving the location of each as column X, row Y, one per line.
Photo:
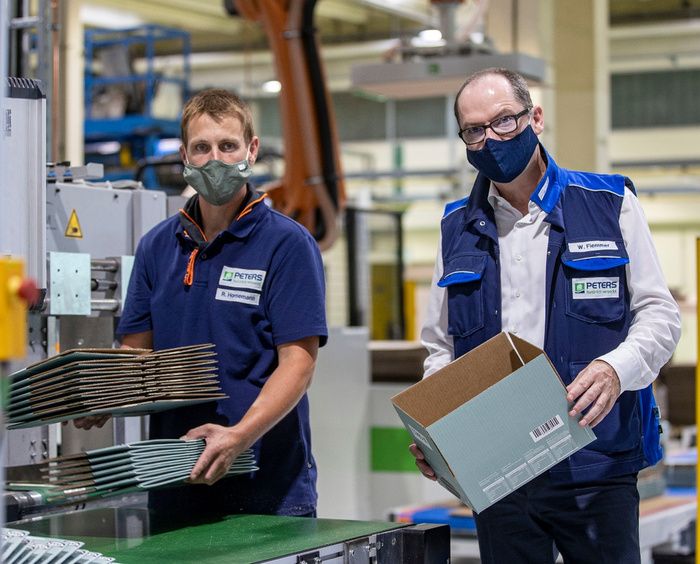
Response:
column 222, row 448
column 597, row 386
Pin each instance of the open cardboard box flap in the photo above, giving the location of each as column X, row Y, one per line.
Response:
column 465, row 378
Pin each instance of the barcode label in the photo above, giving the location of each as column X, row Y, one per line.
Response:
column 546, row 428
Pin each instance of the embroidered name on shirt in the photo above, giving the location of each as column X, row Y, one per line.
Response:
column 595, row 288
column 242, row 278
column 587, row 246
column 237, row 296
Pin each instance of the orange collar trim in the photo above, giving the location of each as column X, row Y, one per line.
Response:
column 183, row 212
column 249, row 207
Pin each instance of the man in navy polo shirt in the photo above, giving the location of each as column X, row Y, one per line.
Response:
column 231, row 271
column 565, row 260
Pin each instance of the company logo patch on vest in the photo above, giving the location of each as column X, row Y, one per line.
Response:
column 595, row 288
column 242, row 278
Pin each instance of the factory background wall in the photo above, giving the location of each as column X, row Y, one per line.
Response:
column 583, row 55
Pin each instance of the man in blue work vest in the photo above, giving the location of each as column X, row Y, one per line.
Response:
column 565, row 260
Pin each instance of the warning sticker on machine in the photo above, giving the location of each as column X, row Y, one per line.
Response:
column 73, row 228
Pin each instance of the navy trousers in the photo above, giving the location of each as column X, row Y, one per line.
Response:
column 588, row 523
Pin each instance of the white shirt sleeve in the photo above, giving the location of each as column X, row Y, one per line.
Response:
column 656, row 323
column 434, row 333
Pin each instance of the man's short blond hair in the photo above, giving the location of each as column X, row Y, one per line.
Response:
column 218, row 104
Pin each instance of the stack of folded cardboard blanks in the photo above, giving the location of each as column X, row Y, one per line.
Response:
column 82, row 382
column 121, row 469
column 21, row 547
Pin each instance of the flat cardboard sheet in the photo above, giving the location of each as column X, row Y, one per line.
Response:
column 86, row 382
column 137, row 466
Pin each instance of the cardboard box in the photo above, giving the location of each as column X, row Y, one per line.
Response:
column 492, row 420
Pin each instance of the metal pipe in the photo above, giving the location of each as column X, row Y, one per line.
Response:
column 104, row 305
column 104, row 265
column 24, row 44
column 373, row 175
column 446, row 11
column 18, row 503
column 55, row 113
column 43, row 72
column 101, row 285
column 24, row 22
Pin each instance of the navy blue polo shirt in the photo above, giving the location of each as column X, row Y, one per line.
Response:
column 256, row 286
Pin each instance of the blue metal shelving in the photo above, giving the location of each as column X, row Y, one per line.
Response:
column 143, row 130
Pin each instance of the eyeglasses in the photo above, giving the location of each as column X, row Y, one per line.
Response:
column 500, row 126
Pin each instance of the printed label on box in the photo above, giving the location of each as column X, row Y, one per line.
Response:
column 563, row 447
column 542, row 461
column 519, row 476
column 497, row 490
column 547, row 428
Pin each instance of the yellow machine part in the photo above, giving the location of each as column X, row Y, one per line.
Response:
column 13, row 310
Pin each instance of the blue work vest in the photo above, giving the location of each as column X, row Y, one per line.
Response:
column 587, row 301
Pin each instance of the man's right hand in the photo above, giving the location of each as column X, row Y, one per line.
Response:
column 423, row 466
column 90, row 421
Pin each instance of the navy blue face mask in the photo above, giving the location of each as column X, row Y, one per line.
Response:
column 503, row 161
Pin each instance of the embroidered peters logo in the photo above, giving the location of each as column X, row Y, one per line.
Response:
column 595, row 288
column 242, row 278
column 237, row 296
column 587, row 246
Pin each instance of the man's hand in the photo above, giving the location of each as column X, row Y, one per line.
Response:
column 90, row 421
column 423, row 466
column 597, row 386
column 222, row 447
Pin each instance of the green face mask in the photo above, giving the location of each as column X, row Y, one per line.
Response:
column 216, row 181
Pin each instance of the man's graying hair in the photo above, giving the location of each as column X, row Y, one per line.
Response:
column 516, row 81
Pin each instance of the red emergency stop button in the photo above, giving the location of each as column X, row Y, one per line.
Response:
column 28, row 291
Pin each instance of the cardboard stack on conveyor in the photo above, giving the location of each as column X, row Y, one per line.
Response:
column 20, row 547
column 82, row 382
column 121, row 469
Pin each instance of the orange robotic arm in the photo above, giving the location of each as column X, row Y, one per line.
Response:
column 311, row 189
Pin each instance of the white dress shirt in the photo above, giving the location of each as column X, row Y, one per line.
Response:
column 655, row 327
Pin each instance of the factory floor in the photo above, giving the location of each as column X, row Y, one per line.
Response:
column 657, row 559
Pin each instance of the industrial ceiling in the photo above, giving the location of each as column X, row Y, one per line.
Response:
column 338, row 21
column 213, row 29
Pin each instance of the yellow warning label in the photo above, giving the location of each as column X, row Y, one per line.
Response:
column 73, row 227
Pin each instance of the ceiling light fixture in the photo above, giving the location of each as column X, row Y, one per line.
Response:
column 271, row 86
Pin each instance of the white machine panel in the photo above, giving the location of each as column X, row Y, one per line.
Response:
column 107, row 221
column 22, row 177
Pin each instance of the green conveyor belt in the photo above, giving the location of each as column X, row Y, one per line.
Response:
column 234, row 539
